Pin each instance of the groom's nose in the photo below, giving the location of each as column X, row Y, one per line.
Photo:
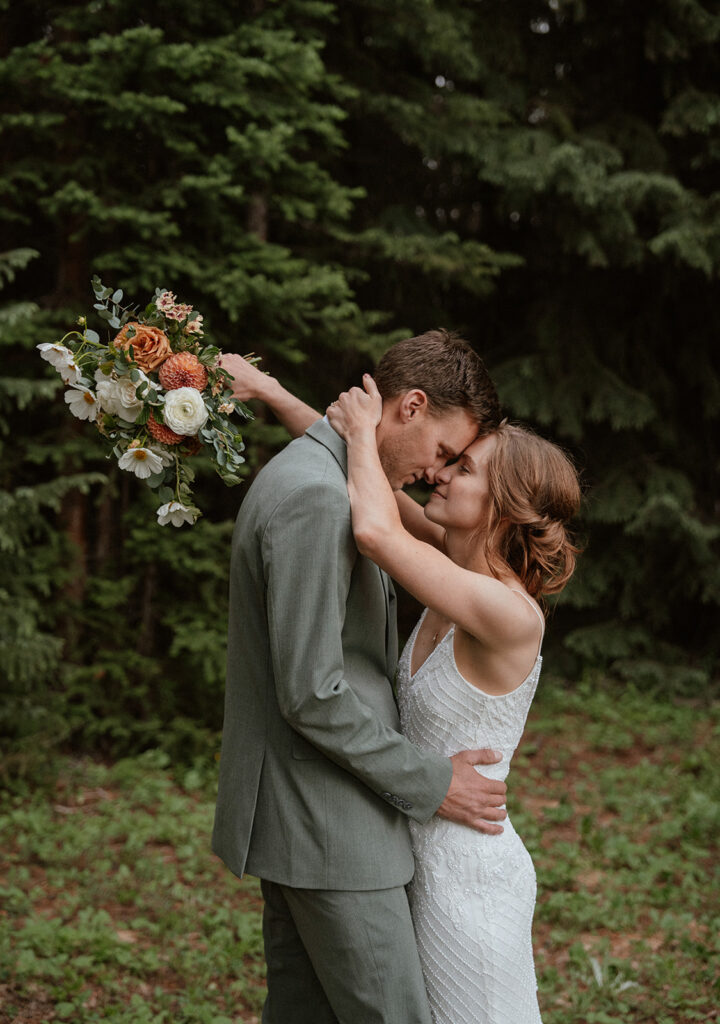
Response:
column 431, row 472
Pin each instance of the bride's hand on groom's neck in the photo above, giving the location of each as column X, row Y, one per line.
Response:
column 356, row 413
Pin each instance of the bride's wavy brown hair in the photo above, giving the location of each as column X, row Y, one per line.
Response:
column 534, row 493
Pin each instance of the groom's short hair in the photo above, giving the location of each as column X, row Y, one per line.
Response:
column 447, row 369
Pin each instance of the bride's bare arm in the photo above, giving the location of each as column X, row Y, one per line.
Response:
column 249, row 383
column 482, row 606
column 414, row 521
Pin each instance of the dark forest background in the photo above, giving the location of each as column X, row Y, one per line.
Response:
column 321, row 179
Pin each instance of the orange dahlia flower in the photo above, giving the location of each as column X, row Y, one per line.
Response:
column 183, row 370
column 162, row 433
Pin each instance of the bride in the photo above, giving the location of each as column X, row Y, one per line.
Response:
column 490, row 542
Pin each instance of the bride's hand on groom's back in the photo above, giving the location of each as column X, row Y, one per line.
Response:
column 356, row 411
column 472, row 799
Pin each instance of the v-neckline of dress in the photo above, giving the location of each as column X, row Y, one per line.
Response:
column 437, row 646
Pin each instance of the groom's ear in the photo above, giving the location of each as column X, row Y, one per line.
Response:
column 412, row 404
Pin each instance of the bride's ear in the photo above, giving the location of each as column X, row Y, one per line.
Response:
column 411, row 404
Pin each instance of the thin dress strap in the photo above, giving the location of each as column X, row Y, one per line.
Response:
column 533, row 606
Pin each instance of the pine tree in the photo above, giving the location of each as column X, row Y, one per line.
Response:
column 583, row 142
column 33, row 554
column 185, row 146
column 319, row 179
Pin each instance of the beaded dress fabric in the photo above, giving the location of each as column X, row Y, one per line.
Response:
column 473, row 895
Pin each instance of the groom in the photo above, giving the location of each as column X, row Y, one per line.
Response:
column 316, row 781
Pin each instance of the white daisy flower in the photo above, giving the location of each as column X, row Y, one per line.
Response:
column 176, row 513
column 62, row 359
column 82, row 403
column 55, row 353
column 141, row 461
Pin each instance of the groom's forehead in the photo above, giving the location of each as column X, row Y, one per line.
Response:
column 455, row 429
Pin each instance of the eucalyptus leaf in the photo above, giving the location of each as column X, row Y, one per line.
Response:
column 156, row 479
column 92, row 335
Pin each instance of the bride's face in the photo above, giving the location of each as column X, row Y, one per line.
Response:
column 461, row 496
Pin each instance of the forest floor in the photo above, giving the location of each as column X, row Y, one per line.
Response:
column 112, row 907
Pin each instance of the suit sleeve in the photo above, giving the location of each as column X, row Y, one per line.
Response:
column 309, row 554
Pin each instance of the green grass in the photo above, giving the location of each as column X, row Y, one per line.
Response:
column 114, row 909
column 618, row 799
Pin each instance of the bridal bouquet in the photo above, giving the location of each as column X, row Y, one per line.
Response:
column 155, row 392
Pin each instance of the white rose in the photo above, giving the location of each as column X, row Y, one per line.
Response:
column 107, row 394
column 119, row 396
column 130, row 404
column 185, row 411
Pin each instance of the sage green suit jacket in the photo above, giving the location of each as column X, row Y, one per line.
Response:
column 316, row 780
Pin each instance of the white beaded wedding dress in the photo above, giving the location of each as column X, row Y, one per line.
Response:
column 473, row 895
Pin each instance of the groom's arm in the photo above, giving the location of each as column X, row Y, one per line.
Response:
column 309, row 554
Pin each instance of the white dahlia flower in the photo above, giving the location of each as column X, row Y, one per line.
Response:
column 185, row 411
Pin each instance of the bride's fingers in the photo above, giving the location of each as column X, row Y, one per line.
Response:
column 370, row 386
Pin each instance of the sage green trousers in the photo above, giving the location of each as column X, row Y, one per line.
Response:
column 336, row 957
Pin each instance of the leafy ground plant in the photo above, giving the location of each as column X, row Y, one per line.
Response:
column 114, row 909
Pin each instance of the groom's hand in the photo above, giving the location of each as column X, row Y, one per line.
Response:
column 472, row 799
